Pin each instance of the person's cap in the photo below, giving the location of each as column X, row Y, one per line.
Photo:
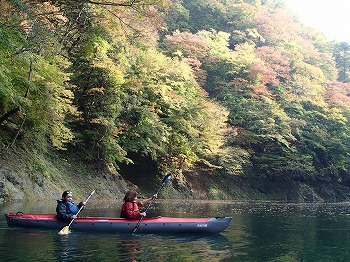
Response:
column 66, row 193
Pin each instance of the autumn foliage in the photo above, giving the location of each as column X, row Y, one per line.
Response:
column 234, row 87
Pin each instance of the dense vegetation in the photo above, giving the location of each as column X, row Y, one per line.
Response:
column 237, row 88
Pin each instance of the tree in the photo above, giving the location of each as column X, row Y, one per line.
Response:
column 342, row 58
column 34, row 87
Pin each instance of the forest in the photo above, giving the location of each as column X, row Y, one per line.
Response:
column 237, row 91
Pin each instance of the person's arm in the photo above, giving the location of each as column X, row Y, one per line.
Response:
column 81, row 204
column 144, row 202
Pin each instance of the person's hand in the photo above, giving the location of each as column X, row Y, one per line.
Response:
column 74, row 217
column 143, row 214
column 84, row 203
column 154, row 196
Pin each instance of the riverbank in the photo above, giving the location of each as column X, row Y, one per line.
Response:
column 35, row 176
column 31, row 176
column 28, row 176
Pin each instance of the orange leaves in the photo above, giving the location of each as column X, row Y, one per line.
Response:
column 260, row 73
column 190, row 45
column 338, row 92
column 192, row 48
column 277, row 26
column 275, row 61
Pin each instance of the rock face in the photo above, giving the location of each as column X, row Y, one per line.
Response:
column 24, row 189
column 21, row 182
column 23, row 179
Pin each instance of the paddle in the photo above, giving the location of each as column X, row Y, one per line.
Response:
column 65, row 230
column 165, row 180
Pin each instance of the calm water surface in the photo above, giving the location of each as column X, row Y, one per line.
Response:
column 258, row 232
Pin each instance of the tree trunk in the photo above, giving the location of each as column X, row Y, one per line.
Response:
column 8, row 114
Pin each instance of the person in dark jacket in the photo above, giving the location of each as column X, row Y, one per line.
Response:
column 66, row 209
column 130, row 208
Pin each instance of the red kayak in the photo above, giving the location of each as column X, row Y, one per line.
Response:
column 154, row 225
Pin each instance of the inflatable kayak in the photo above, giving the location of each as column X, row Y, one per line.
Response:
column 121, row 225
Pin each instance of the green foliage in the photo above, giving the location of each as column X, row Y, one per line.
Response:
column 326, row 139
column 165, row 117
column 98, row 96
column 268, row 132
column 13, row 81
column 342, row 59
column 233, row 86
column 177, row 18
column 205, row 15
column 42, row 97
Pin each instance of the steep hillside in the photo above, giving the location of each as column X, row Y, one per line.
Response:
column 236, row 99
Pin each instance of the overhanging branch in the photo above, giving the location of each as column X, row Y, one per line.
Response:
column 131, row 3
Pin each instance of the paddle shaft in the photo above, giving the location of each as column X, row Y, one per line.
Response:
column 165, row 180
column 81, row 208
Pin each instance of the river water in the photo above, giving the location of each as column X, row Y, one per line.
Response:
column 258, row 232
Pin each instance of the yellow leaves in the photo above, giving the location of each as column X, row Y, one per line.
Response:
column 253, row 33
column 100, row 120
column 212, row 121
column 60, row 135
column 96, row 90
column 245, row 53
column 177, row 53
column 218, row 43
column 312, row 72
column 156, row 108
column 336, row 114
column 27, row 26
column 307, row 83
column 97, row 48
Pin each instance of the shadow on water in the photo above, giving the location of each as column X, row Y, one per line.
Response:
column 46, row 245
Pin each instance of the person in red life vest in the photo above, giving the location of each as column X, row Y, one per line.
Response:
column 66, row 209
column 130, row 208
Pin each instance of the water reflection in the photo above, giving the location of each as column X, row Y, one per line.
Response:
column 46, row 245
column 258, row 232
column 276, row 232
column 27, row 245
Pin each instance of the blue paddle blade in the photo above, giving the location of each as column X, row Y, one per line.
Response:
column 166, row 179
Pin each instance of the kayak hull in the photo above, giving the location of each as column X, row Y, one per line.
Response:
column 156, row 225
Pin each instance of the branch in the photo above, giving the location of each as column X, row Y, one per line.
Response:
column 131, row 3
column 8, row 114
column 122, row 22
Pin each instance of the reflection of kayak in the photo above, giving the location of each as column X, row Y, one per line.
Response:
column 122, row 225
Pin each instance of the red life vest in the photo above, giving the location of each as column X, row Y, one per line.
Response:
column 130, row 210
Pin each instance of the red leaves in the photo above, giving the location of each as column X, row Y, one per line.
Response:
column 338, row 92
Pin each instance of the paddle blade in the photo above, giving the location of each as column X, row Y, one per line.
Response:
column 64, row 231
column 166, row 179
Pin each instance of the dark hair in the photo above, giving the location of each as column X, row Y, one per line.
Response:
column 66, row 193
column 130, row 196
